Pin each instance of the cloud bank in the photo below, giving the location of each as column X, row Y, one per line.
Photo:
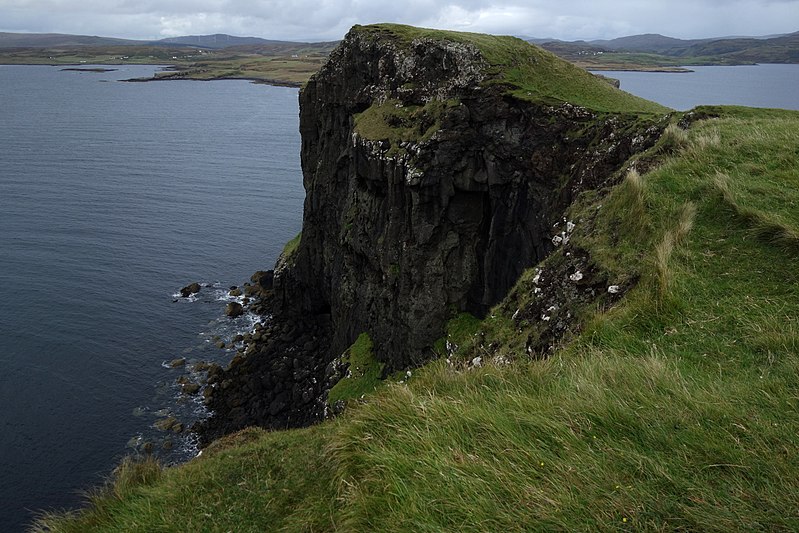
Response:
column 329, row 19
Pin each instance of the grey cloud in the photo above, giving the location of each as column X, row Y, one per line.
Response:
column 330, row 19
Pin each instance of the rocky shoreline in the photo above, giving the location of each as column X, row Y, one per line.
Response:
column 278, row 379
column 277, row 376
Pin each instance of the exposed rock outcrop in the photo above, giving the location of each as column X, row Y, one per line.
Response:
column 278, row 381
column 402, row 227
column 432, row 183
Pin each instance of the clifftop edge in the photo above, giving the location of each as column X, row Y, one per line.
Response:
column 526, row 71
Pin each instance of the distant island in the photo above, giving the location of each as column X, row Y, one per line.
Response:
column 207, row 57
column 221, row 56
column 90, row 69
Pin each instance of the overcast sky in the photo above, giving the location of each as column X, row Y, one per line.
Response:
column 314, row 20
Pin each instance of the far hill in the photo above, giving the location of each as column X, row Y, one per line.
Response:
column 201, row 57
column 783, row 49
column 219, row 40
column 653, row 51
column 216, row 41
column 45, row 40
column 222, row 56
column 648, row 42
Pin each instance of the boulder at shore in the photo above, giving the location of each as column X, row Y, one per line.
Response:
column 234, row 309
column 190, row 289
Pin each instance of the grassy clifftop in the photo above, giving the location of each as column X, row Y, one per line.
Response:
column 676, row 408
column 529, row 72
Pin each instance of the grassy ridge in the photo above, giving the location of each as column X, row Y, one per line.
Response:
column 677, row 409
column 530, row 73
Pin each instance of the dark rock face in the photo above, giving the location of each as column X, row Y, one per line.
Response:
column 399, row 231
column 277, row 381
column 395, row 237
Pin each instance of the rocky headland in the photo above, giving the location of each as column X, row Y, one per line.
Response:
column 438, row 167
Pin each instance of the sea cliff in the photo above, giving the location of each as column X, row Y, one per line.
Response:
column 435, row 166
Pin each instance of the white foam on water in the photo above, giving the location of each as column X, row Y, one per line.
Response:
column 134, row 441
column 170, row 400
column 223, row 295
column 190, row 445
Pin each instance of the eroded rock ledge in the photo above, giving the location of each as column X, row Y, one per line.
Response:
column 431, row 186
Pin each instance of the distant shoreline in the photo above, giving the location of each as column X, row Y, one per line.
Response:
column 182, row 76
column 89, row 69
column 667, row 70
column 175, row 73
column 171, row 73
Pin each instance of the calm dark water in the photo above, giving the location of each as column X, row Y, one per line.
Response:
column 752, row 85
column 112, row 197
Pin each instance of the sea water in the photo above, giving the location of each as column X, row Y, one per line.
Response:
column 773, row 86
column 113, row 196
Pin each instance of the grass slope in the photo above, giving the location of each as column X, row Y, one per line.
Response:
column 363, row 372
column 676, row 409
column 529, row 72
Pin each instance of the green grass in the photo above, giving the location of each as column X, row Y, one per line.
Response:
column 247, row 482
column 459, row 332
column 529, row 73
column 291, row 247
column 673, row 409
column 393, row 122
column 362, row 375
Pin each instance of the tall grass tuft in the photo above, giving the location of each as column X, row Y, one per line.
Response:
column 672, row 238
column 721, row 182
column 764, row 226
column 629, row 201
column 705, row 140
column 777, row 233
column 674, row 139
column 632, row 192
column 685, row 222
column 133, row 473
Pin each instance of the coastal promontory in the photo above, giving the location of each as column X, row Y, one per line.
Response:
column 436, row 165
